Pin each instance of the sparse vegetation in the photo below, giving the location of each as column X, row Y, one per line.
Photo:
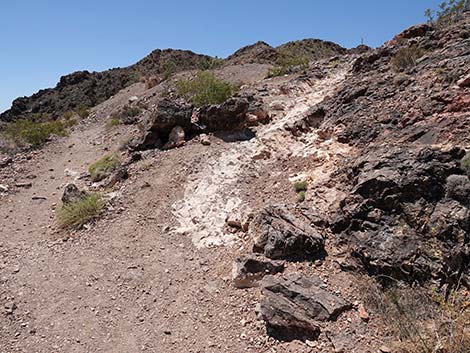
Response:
column 287, row 64
column 423, row 321
column 211, row 64
column 205, row 89
column 449, row 12
column 465, row 163
column 300, row 186
column 124, row 115
column 112, row 123
column 82, row 111
column 76, row 214
column 406, row 58
column 301, row 196
column 102, row 168
column 35, row 130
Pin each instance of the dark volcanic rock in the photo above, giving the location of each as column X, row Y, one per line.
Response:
column 293, row 306
column 394, row 218
column 279, row 234
column 229, row 115
column 72, row 194
column 249, row 269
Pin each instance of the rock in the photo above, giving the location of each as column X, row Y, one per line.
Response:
column 248, row 270
column 397, row 208
column 464, row 82
column 26, row 185
column 415, row 31
column 278, row 234
column 363, row 314
column 230, row 115
column 293, row 306
column 385, row 349
column 175, row 139
column 4, row 188
column 277, row 105
column 72, row 194
column 159, row 123
column 133, row 99
column 119, row 174
column 204, row 140
column 5, row 161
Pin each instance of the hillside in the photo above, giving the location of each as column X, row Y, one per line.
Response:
column 301, row 198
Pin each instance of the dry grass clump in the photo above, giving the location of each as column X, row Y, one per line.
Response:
column 76, row 214
column 103, row 167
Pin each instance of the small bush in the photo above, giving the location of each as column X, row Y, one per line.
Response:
column 465, row 163
column 405, row 58
column 75, row 215
column 112, row 123
column 300, row 186
column 301, row 196
column 458, row 188
column 126, row 115
column 205, row 89
column 34, row 131
column 82, row 111
column 287, row 64
column 421, row 318
column 102, row 168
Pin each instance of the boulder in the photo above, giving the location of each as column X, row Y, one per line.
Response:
column 464, row 82
column 119, row 174
column 175, row 139
column 229, row 115
column 72, row 194
column 249, row 269
column 279, row 234
column 293, row 306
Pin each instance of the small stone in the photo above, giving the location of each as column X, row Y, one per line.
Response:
column 363, row 314
column 385, row 349
column 204, row 140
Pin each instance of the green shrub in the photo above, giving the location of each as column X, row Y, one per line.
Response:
column 287, row 64
column 465, row 163
column 102, row 168
column 76, row 214
column 34, row 131
column 405, row 58
column 205, row 89
column 300, row 186
column 82, row 111
column 113, row 122
column 301, row 196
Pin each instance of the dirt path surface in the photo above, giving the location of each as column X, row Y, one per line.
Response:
column 142, row 278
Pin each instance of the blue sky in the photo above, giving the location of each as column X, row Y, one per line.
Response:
column 41, row 40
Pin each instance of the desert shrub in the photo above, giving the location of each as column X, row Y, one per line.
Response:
column 449, row 12
column 287, row 64
column 205, row 89
column 211, row 64
column 82, row 111
column 301, row 196
column 421, row 319
column 76, row 214
column 300, row 186
column 406, row 58
column 125, row 115
column 103, row 167
column 34, row 131
column 112, row 123
column 465, row 163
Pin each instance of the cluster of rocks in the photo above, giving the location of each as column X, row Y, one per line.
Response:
column 172, row 122
column 293, row 305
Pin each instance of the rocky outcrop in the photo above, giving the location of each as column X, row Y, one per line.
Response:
column 398, row 218
column 249, row 269
column 293, row 306
column 230, row 115
column 279, row 234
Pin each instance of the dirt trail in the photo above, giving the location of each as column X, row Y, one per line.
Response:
column 130, row 283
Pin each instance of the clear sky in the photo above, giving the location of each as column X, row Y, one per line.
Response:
column 41, row 40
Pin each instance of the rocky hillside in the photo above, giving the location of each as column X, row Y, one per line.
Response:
column 321, row 209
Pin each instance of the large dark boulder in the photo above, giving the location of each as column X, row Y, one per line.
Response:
column 293, row 306
column 229, row 115
column 280, row 234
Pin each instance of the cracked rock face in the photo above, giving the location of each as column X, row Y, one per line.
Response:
column 293, row 306
column 249, row 269
column 279, row 234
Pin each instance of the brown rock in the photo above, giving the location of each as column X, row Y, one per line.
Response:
column 363, row 314
column 249, row 269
